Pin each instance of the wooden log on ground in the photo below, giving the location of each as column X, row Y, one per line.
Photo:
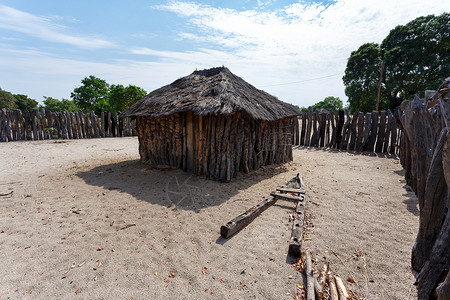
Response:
column 334, row 295
column 342, row 290
column 295, row 243
column 247, row 217
column 287, row 196
column 292, row 190
column 318, row 289
column 310, row 295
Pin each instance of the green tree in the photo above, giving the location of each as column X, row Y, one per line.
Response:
column 120, row 97
column 24, row 103
column 417, row 57
column 55, row 105
column 92, row 95
column 361, row 77
column 7, row 100
column 329, row 103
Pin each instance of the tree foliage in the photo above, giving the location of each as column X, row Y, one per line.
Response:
column 121, row 97
column 92, row 94
column 96, row 94
column 24, row 103
column 7, row 100
column 417, row 58
column 329, row 103
column 55, row 105
column 362, row 76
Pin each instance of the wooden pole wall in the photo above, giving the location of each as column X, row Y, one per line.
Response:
column 35, row 124
column 371, row 132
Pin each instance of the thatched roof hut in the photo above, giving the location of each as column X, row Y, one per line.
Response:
column 214, row 123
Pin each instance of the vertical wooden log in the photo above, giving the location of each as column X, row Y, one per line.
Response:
column 303, row 129
column 94, row 125
column 50, row 125
column 3, row 125
column 393, row 128
column 387, row 131
column 367, row 127
column 333, row 117
column 239, row 143
column 353, row 136
column 340, row 125
column 41, row 122
column 360, row 138
column 346, row 132
column 381, row 132
column 373, row 131
column 322, row 119
column 68, row 124
column 34, row 124
column 308, row 128
column 328, row 117
column 315, row 134
column 17, row 124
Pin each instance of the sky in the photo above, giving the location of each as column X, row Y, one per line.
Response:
column 294, row 50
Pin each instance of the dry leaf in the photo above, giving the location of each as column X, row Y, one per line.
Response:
column 95, row 278
column 166, row 280
column 350, row 280
column 77, row 292
column 27, row 292
column 111, row 224
column 99, row 249
column 204, row 271
column 171, row 274
column 207, row 291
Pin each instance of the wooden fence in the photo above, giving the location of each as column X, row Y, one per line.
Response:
column 425, row 156
column 35, row 124
column 371, row 132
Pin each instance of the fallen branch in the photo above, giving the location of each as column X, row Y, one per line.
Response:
column 309, row 277
column 343, row 295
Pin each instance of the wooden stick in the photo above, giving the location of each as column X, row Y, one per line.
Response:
column 247, row 217
column 287, row 196
column 343, row 295
column 300, row 191
column 318, row 288
column 309, row 278
column 333, row 290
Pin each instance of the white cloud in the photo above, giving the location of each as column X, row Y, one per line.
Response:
column 300, row 41
column 45, row 29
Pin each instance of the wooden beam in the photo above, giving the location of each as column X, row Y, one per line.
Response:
column 247, row 217
column 301, row 191
column 288, row 197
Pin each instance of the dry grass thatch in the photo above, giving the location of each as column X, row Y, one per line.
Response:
column 211, row 92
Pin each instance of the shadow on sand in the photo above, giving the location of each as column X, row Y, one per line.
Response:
column 172, row 187
column 412, row 203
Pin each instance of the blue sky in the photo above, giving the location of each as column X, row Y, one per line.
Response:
column 296, row 51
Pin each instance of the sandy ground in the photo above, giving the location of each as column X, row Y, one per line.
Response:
column 87, row 220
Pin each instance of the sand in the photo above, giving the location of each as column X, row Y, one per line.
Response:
column 87, row 220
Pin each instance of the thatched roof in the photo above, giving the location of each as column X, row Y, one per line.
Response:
column 212, row 91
